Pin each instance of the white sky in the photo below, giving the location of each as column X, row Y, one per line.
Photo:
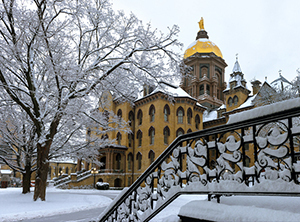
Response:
column 264, row 33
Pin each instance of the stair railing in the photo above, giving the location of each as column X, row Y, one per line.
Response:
column 242, row 157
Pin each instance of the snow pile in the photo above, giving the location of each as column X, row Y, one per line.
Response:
column 241, row 208
column 264, row 110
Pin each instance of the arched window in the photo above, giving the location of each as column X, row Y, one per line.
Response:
column 179, row 132
column 139, row 137
column 119, row 138
column 118, row 161
column 189, row 131
column 235, row 100
column 152, row 113
column 201, row 89
column 151, row 134
column 139, row 160
column 166, row 113
column 197, row 121
column 140, row 117
column 180, row 114
column 103, row 162
column 151, row 156
column 131, row 118
column 207, row 89
column 189, row 115
column 129, row 160
column 130, row 139
column 67, row 170
column 166, row 135
column 230, row 101
column 119, row 113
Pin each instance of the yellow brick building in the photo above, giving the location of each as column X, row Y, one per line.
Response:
column 155, row 120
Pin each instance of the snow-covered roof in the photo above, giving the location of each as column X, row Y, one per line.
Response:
column 208, row 116
column 171, row 90
column 281, row 83
column 248, row 102
column 222, row 107
column 264, row 110
column 5, row 171
column 63, row 160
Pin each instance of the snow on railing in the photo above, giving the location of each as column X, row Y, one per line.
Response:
column 257, row 156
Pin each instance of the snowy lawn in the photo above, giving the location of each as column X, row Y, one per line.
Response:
column 16, row 206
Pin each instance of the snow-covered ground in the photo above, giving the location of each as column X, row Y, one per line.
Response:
column 16, row 206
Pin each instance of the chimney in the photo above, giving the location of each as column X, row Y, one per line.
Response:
column 255, row 86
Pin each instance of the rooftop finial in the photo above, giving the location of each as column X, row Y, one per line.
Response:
column 237, row 56
column 279, row 72
column 201, row 24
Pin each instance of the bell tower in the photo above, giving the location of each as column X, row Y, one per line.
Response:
column 204, row 78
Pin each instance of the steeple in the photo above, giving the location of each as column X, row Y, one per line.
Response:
column 236, row 92
column 236, row 67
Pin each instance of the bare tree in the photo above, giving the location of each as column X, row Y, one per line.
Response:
column 56, row 55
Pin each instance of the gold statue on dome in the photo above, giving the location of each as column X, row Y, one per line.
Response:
column 201, row 24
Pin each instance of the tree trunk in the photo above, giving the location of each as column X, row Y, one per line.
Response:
column 42, row 172
column 26, row 179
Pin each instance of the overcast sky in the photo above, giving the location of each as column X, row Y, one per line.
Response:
column 264, row 33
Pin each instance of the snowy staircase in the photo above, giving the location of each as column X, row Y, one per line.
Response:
column 65, row 180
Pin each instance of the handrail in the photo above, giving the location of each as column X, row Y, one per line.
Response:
column 189, row 165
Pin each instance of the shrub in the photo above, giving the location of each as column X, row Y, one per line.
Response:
column 102, row 186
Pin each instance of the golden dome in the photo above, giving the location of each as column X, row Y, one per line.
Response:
column 202, row 45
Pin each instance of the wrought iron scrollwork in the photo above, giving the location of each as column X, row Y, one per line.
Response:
column 240, row 155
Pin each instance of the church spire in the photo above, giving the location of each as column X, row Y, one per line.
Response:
column 236, row 67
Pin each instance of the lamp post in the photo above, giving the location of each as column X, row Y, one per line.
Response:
column 94, row 171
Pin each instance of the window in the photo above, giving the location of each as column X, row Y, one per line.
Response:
column 139, row 136
column 119, row 138
column 151, row 134
column 207, row 90
column 230, row 101
column 118, row 161
column 131, row 118
column 129, row 160
column 140, row 117
column 166, row 113
column 152, row 113
column 189, row 131
column 235, row 100
column 197, row 121
column 67, row 170
column 189, row 116
column 201, row 90
column 103, row 161
column 119, row 113
column 151, row 156
column 179, row 132
column 180, row 114
column 130, row 139
column 166, row 135
column 139, row 160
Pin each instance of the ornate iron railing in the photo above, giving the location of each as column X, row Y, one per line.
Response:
column 258, row 156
